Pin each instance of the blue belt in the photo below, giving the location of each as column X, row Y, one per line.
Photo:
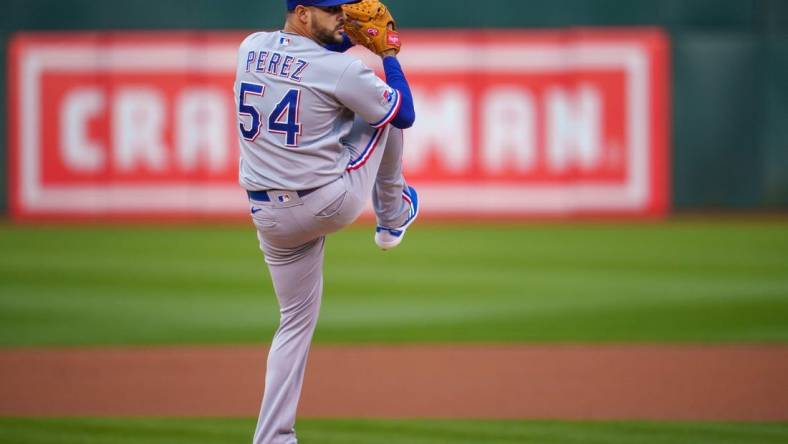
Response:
column 262, row 196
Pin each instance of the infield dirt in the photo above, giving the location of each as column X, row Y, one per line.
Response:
column 659, row 382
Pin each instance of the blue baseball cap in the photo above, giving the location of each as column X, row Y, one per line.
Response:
column 291, row 4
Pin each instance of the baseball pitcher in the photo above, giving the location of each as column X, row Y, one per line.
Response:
column 319, row 133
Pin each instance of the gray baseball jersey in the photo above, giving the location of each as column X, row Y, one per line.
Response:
column 297, row 102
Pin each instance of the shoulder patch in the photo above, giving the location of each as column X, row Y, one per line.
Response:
column 388, row 96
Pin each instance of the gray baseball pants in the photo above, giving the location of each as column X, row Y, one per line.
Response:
column 292, row 232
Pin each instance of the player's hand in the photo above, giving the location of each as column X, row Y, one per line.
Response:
column 388, row 53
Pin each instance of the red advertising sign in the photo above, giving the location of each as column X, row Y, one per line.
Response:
column 509, row 123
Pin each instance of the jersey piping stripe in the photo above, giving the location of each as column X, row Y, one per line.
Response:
column 370, row 148
column 392, row 112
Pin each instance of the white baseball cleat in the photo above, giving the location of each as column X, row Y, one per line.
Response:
column 388, row 238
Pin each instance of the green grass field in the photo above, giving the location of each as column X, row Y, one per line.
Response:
column 691, row 281
column 233, row 431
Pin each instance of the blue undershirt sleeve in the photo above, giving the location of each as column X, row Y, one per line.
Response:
column 396, row 79
column 340, row 47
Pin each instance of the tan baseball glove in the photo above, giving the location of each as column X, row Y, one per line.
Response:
column 370, row 24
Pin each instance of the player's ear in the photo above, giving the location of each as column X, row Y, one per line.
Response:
column 302, row 14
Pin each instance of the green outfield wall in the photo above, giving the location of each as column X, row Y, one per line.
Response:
column 729, row 70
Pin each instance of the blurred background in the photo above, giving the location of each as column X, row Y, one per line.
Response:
column 727, row 92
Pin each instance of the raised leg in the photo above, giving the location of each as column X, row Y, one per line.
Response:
column 377, row 171
column 390, row 209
